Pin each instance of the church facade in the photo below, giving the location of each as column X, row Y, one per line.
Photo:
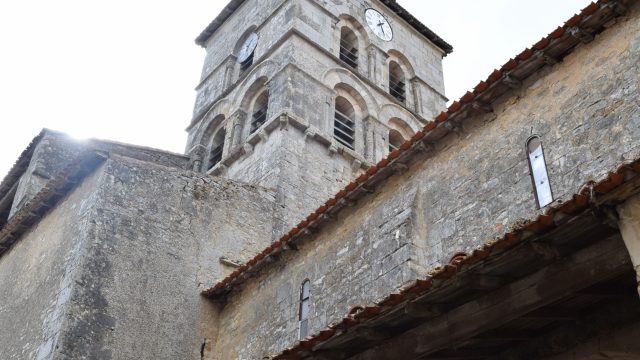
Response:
column 329, row 205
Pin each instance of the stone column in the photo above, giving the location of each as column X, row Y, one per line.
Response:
column 197, row 155
column 371, row 52
column 228, row 72
column 376, row 66
column 369, row 138
column 629, row 223
column 237, row 119
column 417, row 95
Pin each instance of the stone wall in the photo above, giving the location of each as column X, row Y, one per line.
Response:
column 471, row 188
column 38, row 275
column 115, row 270
column 301, row 170
column 155, row 243
column 355, row 260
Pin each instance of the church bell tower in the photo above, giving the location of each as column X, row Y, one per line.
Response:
column 301, row 95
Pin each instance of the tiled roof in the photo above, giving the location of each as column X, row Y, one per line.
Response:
column 233, row 5
column 551, row 48
column 543, row 224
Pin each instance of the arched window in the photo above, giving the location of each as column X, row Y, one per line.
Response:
column 538, row 168
column 260, row 108
column 397, row 87
column 349, row 47
column 303, row 315
column 344, row 123
column 395, row 139
column 216, row 149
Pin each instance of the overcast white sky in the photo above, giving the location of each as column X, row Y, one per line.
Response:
column 125, row 70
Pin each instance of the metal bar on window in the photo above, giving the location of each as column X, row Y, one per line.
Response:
column 259, row 118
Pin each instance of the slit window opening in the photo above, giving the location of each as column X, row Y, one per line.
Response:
column 305, row 295
column 539, row 175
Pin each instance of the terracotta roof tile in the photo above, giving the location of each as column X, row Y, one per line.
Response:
column 441, row 117
column 454, row 107
column 430, row 126
column 525, row 54
column 590, row 9
column 575, row 20
column 362, row 179
column 468, row 97
column 557, row 32
column 610, row 183
column 540, row 45
column 494, row 76
column 372, row 170
column 509, row 65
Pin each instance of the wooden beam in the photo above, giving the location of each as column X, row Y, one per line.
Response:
column 548, row 313
column 462, row 354
column 422, row 310
column 507, row 335
column 485, row 282
column 371, row 334
column 599, row 262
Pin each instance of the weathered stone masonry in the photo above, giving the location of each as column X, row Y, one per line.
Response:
column 106, row 249
column 297, row 62
column 472, row 187
column 134, row 235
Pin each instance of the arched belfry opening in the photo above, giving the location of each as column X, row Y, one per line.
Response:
column 259, row 110
column 395, row 139
column 216, row 149
column 399, row 132
column 397, row 82
column 349, row 47
column 344, row 123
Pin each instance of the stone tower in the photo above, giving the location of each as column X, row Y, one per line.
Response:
column 302, row 95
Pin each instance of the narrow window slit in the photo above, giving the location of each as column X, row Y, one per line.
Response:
column 539, row 175
column 303, row 314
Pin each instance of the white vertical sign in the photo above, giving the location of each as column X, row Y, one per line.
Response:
column 540, row 177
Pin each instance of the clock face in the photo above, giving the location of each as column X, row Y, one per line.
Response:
column 247, row 47
column 378, row 24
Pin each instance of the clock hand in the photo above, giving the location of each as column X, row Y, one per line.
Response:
column 382, row 28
